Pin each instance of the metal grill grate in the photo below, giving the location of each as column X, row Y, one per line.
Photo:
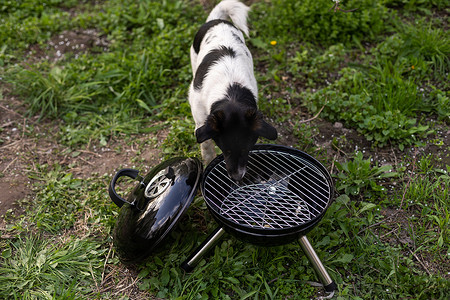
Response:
column 279, row 190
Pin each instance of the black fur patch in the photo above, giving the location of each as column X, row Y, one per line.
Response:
column 211, row 58
column 218, row 105
column 241, row 94
column 204, row 29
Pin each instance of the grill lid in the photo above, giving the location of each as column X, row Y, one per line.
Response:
column 154, row 207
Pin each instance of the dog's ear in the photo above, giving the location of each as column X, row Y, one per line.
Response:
column 261, row 127
column 211, row 127
column 203, row 133
column 266, row 130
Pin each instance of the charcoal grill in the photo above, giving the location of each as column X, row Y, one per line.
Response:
column 283, row 195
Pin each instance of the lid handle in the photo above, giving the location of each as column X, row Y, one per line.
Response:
column 132, row 173
column 170, row 173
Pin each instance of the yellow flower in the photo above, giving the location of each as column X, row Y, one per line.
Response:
column 412, row 67
column 273, row 43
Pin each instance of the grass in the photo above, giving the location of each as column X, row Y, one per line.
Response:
column 381, row 71
column 50, row 93
column 382, row 95
column 35, row 268
column 360, row 177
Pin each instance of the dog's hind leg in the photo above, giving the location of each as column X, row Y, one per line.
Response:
column 208, row 151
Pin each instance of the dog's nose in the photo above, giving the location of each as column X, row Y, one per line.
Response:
column 238, row 174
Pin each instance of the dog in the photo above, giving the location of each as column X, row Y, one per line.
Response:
column 223, row 93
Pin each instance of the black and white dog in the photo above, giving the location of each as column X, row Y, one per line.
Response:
column 223, row 93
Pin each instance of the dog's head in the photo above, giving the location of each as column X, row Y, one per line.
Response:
column 235, row 130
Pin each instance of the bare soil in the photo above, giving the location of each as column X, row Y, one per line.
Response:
column 28, row 143
column 67, row 43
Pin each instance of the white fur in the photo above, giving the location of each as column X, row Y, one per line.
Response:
column 227, row 71
column 234, row 10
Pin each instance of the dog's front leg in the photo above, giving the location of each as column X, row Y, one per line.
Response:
column 208, row 151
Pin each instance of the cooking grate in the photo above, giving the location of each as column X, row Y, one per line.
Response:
column 279, row 190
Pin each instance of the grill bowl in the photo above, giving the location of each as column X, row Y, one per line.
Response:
column 284, row 194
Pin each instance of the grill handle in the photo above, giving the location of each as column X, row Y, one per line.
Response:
column 189, row 264
column 133, row 174
column 328, row 284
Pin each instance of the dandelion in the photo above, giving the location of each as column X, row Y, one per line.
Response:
column 273, row 43
column 412, row 67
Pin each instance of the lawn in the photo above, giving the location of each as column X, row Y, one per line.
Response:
column 89, row 87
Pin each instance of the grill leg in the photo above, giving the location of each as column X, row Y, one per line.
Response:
column 322, row 273
column 189, row 264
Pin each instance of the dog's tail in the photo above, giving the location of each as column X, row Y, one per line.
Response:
column 234, row 10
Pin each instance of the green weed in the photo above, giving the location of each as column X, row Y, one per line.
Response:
column 125, row 84
column 364, row 265
column 85, row 127
column 304, row 134
column 58, row 200
column 53, row 94
column 37, row 268
column 380, row 127
column 390, row 91
column 235, row 270
column 62, row 200
column 416, row 5
column 428, row 196
column 360, row 177
column 433, row 44
column 181, row 139
column 443, row 106
column 277, row 109
column 23, row 23
column 382, row 100
column 417, row 49
column 314, row 66
column 315, row 21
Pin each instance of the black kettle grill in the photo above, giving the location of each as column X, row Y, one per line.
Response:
column 283, row 195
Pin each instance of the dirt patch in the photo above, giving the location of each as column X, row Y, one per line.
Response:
column 26, row 144
column 13, row 183
column 11, row 191
column 142, row 152
column 73, row 42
